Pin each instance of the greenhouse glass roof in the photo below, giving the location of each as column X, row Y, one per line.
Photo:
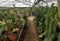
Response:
column 23, row 3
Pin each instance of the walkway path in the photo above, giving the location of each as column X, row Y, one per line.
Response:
column 31, row 34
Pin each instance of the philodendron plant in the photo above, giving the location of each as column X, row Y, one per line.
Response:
column 46, row 20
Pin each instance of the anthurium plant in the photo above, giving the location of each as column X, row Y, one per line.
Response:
column 10, row 26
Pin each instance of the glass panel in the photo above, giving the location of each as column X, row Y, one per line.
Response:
column 11, row 3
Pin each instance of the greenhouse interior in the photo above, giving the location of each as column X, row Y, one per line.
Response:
column 30, row 20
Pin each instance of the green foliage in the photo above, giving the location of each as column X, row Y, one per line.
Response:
column 46, row 20
column 10, row 22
